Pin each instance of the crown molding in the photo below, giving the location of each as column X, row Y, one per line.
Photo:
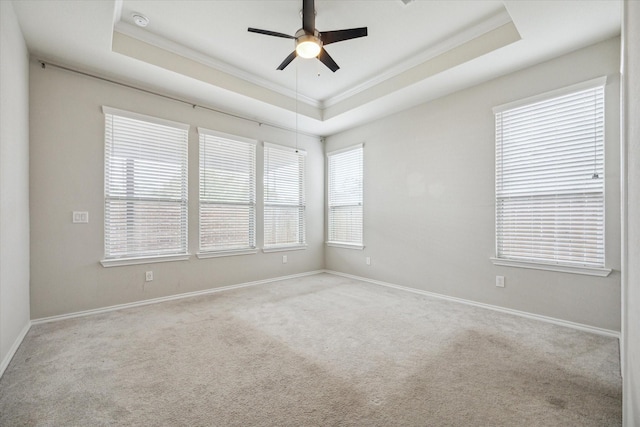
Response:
column 456, row 40
column 179, row 49
column 491, row 23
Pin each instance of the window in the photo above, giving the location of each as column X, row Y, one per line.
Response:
column 145, row 179
column 345, row 197
column 284, row 197
column 227, row 193
column 550, row 180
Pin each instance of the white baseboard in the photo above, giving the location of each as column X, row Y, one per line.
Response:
column 560, row 322
column 168, row 298
column 555, row 321
column 14, row 348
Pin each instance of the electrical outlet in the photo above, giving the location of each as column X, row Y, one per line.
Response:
column 284, row 259
column 500, row 281
column 148, row 276
column 368, row 260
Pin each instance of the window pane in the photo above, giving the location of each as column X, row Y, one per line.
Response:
column 226, row 227
column 284, row 196
column 346, row 196
column 345, row 224
column 138, row 227
column 283, row 225
column 145, row 187
column 227, row 193
column 550, row 180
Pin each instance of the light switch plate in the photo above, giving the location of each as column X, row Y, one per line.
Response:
column 80, row 217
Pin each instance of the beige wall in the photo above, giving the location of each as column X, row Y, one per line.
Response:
column 67, row 146
column 631, row 123
column 429, row 198
column 14, row 184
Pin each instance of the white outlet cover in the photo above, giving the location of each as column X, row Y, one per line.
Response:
column 500, row 281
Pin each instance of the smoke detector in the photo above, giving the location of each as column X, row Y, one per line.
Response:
column 140, row 20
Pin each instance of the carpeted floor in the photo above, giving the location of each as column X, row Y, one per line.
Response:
column 316, row 351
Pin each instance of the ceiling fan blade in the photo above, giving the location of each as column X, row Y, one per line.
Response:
column 270, row 33
column 287, row 60
column 308, row 16
column 329, row 37
column 327, row 60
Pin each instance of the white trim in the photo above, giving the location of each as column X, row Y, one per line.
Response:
column 547, row 319
column 117, row 13
column 560, row 322
column 14, row 348
column 168, row 298
column 491, row 23
column 465, row 36
column 283, row 248
column 215, row 133
column 143, row 260
column 344, row 150
column 344, row 245
column 589, row 271
column 218, row 254
column 144, row 117
column 160, row 42
column 285, row 148
column 589, row 84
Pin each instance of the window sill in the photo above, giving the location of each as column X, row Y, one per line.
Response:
column 143, row 260
column 218, row 254
column 283, row 248
column 589, row 271
column 345, row 245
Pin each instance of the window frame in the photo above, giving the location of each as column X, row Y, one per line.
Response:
column 251, row 248
column 360, row 203
column 301, row 205
column 601, row 271
column 181, row 253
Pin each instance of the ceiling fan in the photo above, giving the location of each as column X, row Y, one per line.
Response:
column 310, row 41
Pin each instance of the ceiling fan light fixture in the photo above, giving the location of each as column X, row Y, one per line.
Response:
column 308, row 46
column 310, row 41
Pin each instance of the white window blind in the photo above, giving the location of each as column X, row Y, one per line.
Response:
column 145, row 186
column 227, row 192
column 345, row 196
column 550, row 180
column 284, row 196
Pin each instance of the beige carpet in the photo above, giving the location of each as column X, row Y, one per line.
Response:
column 317, row 351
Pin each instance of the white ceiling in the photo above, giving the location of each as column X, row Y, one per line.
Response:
column 201, row 51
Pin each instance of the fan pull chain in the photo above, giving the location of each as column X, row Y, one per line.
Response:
column 296, row 108
column 595, row 138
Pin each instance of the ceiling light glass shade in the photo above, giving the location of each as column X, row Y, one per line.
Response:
column 308, row 47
